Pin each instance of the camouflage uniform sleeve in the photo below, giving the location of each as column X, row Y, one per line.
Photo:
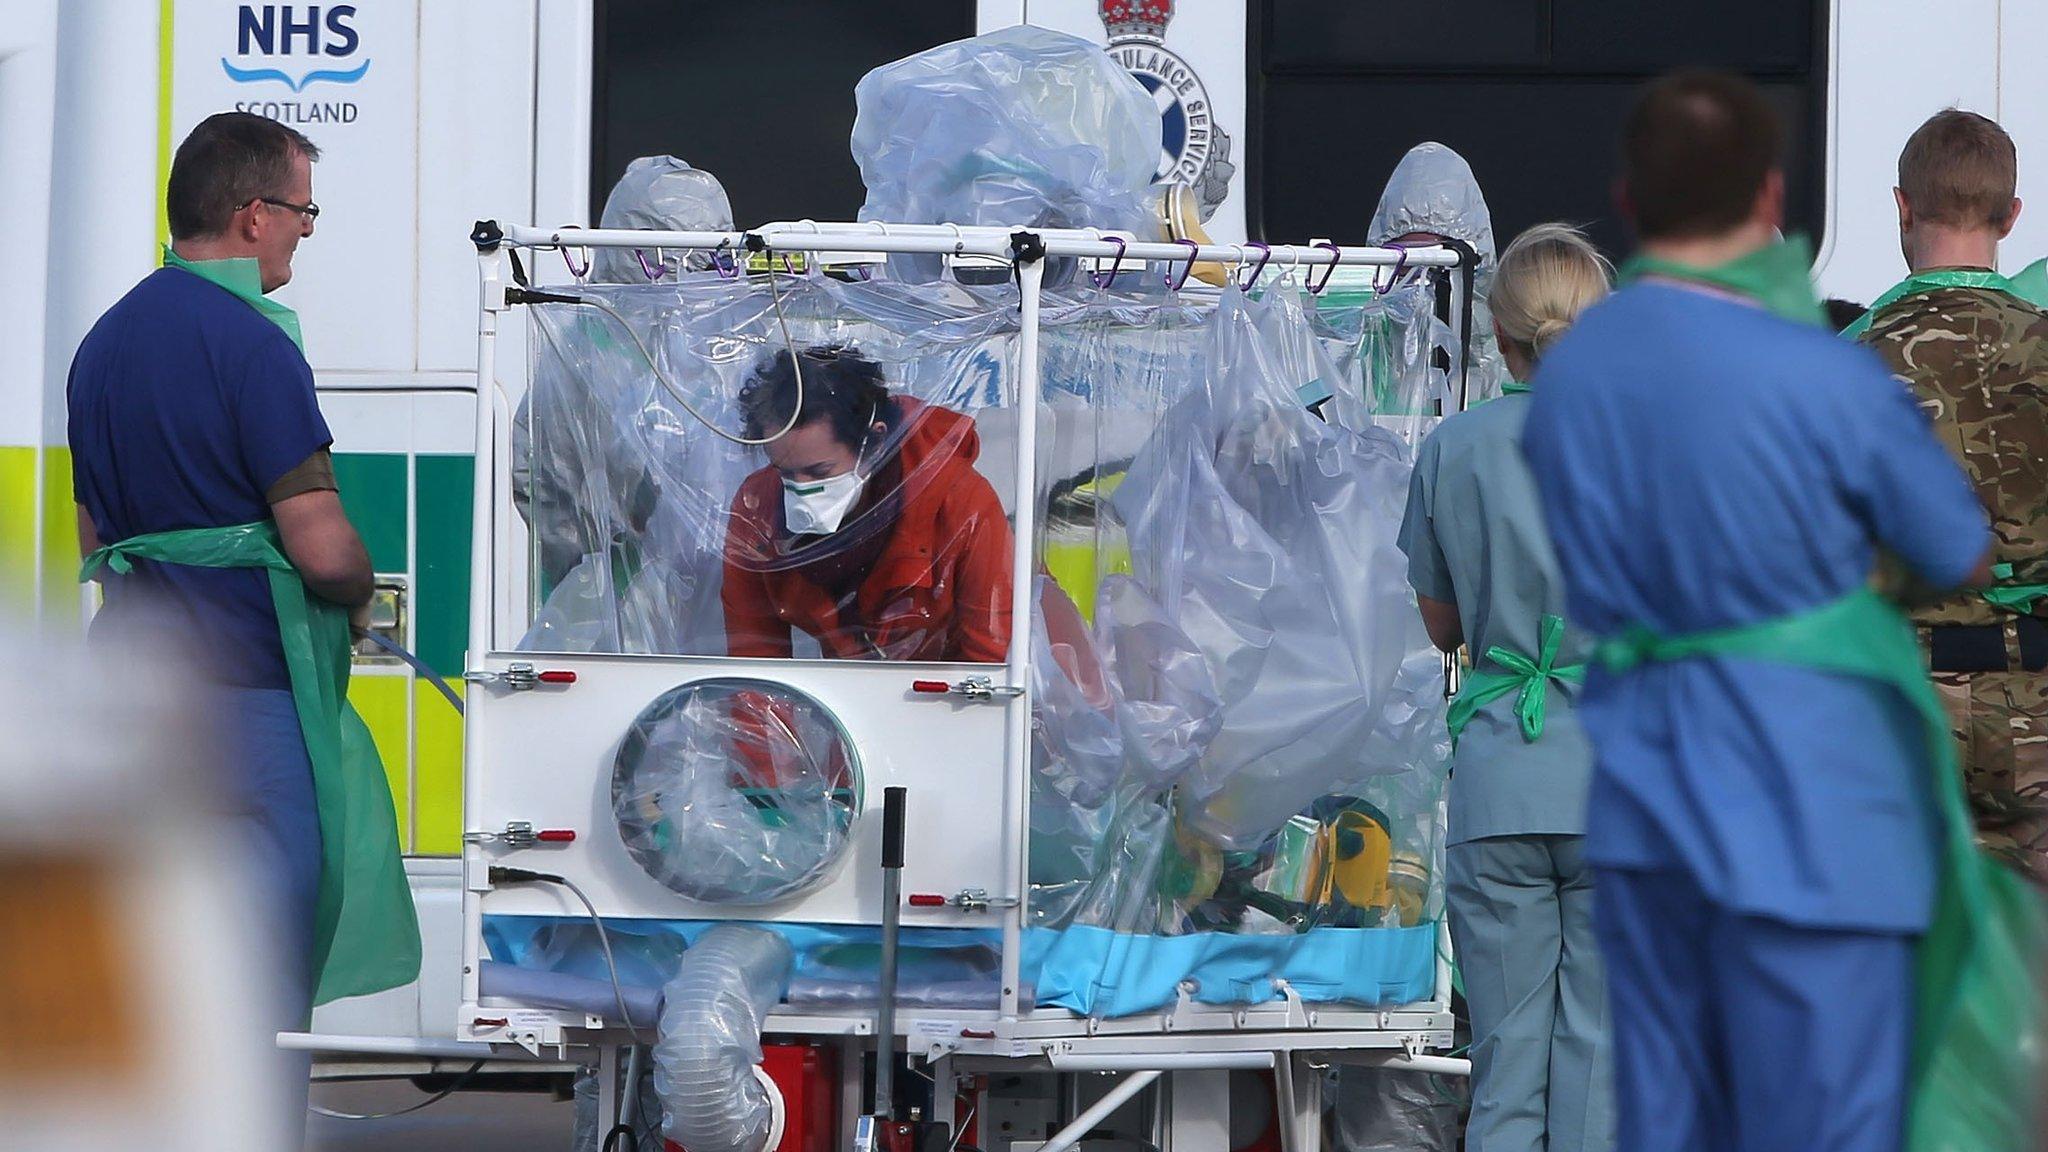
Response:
column 1977, row 362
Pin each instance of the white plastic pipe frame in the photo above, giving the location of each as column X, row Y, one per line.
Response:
column 1027, row 248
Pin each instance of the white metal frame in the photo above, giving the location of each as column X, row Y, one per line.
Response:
column 1277, row 1035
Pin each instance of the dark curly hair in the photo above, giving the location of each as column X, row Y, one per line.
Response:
column 840, row 385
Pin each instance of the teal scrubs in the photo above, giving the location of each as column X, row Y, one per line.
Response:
column 1519, row 892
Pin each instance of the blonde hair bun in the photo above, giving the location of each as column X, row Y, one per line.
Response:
column 1545, row 280
column 1547, row 332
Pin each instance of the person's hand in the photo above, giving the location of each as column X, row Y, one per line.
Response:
column 359, row 617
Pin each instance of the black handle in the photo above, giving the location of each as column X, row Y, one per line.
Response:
column 892, row 827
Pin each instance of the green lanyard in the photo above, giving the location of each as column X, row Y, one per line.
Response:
column 2024, row 287
column 1978, row 1002
column 240, row 276
column 366, row 935
column 1530, row 677
column 1778, row 276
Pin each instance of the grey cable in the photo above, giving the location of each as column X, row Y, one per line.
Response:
column 795, row 360
column 604, row 939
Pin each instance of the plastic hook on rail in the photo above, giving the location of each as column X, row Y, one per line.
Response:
column 723, row 263
column 1194, row 250
column 1259, row 269
column 1316, row 287
column 1116, row 265
column 654, row 271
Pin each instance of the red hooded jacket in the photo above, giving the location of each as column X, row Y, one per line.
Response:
column 929, row 547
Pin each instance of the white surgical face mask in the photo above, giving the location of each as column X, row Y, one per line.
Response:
column 818, row 507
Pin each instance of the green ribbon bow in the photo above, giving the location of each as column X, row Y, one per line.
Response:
column 1778, row 276
column 1530, row 677
column 2030, row 286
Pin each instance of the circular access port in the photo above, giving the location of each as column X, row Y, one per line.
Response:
column 736, row 791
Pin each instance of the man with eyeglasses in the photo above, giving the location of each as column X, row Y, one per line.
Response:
column 208, row 511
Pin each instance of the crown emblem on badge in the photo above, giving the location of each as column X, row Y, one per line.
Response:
column 1146, row 18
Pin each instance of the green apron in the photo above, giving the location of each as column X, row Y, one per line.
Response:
column 1978, row 1006
column 1778, row 276
column 2023, row 287
column 241, row 276
column 366, row 935
column 1482, row 686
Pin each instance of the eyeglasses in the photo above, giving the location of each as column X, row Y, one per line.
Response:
column 309, row 211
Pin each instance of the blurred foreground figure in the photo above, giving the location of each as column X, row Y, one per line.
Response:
column 1775, row 827
column 133, row 971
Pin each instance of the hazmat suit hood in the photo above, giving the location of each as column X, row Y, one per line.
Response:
column 660, row 192
column 1433, row 190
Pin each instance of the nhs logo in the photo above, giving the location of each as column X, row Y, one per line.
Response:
column 321, row 35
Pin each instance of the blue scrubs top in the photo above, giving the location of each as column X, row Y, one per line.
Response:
column 186, row 405
column 1474, row 536
column 1702, row 463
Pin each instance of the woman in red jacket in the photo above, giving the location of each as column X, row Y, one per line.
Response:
column 869, row 529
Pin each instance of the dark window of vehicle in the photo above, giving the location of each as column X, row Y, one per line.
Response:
column 1531, row 92
column 759, row 94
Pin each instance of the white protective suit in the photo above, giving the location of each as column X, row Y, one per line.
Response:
column 1433, row 190
column 585, row 490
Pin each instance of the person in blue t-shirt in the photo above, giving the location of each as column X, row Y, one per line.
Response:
column 1707, row 454
column 191, row 406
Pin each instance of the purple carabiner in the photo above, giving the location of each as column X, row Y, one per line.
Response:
column 1116, row 266
column 723, row 263
column 1194, row 250
column 1259, row 269
column 1400, row 266
column 578, row 273
column 653, row 272
column 1336, row 254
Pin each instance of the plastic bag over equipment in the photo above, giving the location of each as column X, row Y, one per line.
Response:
column 1020, row 127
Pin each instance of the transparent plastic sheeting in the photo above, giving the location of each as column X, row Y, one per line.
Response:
column 1432, row 192
column 1238, row 718
column 735, row 791
column 656, row 192
column 1019, row 127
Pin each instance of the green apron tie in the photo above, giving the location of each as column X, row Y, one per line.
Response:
column 1978, row 1010
column 2028, row 286
column 366, row 934
column 1531, row 677
column 2011, row 595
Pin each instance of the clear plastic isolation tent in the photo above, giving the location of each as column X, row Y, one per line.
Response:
column 1235, row 747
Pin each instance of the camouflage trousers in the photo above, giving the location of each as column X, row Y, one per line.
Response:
column 2000, row 723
